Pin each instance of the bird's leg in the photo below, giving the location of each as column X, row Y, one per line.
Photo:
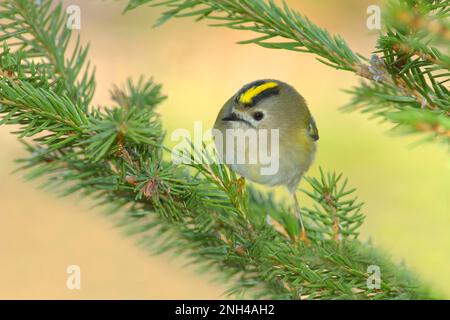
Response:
column 303, row 235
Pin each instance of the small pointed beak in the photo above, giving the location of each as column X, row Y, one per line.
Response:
column 231, row 117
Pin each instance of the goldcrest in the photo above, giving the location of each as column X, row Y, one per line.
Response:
column 278, row 110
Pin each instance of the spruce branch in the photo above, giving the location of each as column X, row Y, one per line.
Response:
column 412, row 66
column 40, row 33
column 268, row 19
column 115, row 156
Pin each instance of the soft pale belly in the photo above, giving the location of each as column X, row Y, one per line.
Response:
column 293, row 162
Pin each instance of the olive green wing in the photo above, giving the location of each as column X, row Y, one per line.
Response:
column 312, row 130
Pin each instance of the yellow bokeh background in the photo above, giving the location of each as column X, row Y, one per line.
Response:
column 406, row 190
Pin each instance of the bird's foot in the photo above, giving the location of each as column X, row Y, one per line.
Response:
column 304, row 237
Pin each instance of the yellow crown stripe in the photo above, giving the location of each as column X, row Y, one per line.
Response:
column 247, row 96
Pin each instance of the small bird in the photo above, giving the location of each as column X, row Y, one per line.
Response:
column 270, row 104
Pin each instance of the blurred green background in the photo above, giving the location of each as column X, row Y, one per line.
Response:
column 406, row 190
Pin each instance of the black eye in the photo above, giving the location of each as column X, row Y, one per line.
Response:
column 258, row 116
